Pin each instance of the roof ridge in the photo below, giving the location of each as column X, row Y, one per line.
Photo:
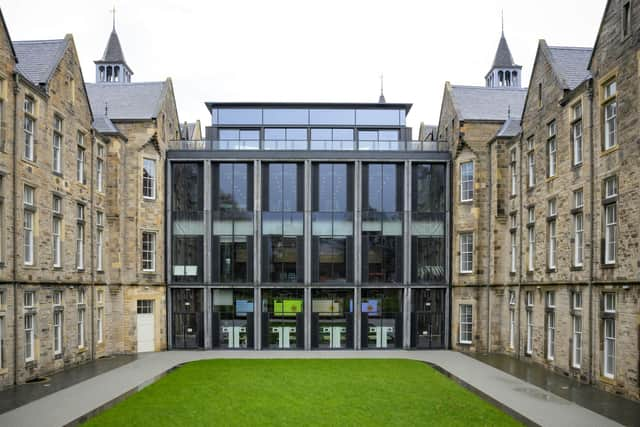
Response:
column 501, row 89
column 570, row 47
column 40, row 41
column 120, row 84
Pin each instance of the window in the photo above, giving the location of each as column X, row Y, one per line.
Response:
column 56, row 230
column 149, row 179
column 29, row 299
column 80, row 159
column 148, row 251
column 576, row 134
column 514, row 172
column 57, row 332
column 610, row 113
column 57, row 144
column 529, row 298
column 531, row 238
column 551, row 150
column 29, row 337
column 29, row 128
column 57, row 298
column 100, row 168
column 609, row 325
column 578, row 228
column 609, row 302
column 552, row 236
column 514, row 249
column 81, row 312
column 81, row 296
column 531, row 163
column 28, row 222
column 144, row 306
column 576, row 342
column 610, row 219
column 529, row 348
column 512, row 298
column 2, row 217
column 551, row 334
column 2, row 346
column 100, row 322
column 466, row 253
column 539, row 94
column 626, row 19
column 80, row 236
column 551, row 299
column 466, row 181
column 99, row 240
column 466, row 318
column 100, row 297
column 512, row 329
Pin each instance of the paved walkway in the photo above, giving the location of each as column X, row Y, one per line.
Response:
column 537, row 405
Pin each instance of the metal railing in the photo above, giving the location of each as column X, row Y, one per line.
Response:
column 313, row 145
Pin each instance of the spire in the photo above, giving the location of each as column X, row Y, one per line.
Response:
column 504, row 72
column 112, row 67
column 113, row 51
column 503, row 56
column 381, row 100
column 501, row 19
column 113, row 12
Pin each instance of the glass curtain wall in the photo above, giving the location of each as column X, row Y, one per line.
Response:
column 331, row 318
column 282, row 318
column 332, row 223
column 187, row 243
column 232, row 318
column 232, row 225
column 285, row 139
column 428, row 318
column 382, row 202
column 188, row 325
column 283, row 223
column 428, row 206
column 381, row 318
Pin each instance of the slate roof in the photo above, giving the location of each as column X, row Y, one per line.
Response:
column 509, row 129
column 127, row 101
column 503, row 58
column 38, row 59
column 571, row 64
column 104, row 125
column 483, row 103
column 113, row 52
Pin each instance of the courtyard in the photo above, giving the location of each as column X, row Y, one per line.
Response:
column 303, row 392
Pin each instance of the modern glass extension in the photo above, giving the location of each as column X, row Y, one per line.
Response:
column 292, row 234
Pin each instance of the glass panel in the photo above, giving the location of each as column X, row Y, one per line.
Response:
column 426, row 224
column 188, row 194
column 332, row 117
column 187, row 263
column 281, row 258
column 239, row 116
column 377, row 117
column 332, row 259
column 428, row 259
column 429, row 188
column 382, row 309
column 285, row 116
column 233, row 259
column 233, row 312
column 282, row 308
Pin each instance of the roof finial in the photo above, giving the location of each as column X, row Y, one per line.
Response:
column 113, row 12
column 502, row 20
column 381, row 100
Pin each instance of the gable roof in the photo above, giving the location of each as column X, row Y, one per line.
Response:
column 503, row 56
column 6, row 30
column 38, row 59
column 104, row 125
column 570, row 64
column 600, row 27
column 491, row 104
column 127, row 101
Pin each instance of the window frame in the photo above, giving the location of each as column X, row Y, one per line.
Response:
column 469, row 253
column 467, row 178
column 577, row 137
column 152, row 251
column 465, row 326
column 149, row 182
column 57, row 144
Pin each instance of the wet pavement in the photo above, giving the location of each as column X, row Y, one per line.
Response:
column 24, row 393
column 612, row 406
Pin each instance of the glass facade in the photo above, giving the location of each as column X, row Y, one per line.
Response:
column 295, row 244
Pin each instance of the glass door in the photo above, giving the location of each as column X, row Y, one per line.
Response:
column 232, row 318
column 331, row 319
column 381, row 318
column 187, row 316
column 282, row 318
column 427, row 318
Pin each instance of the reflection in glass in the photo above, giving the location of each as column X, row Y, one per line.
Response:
column 285, row 139
column 187, row 180
column 377, row 117
column 332, row 139
column 332, row 187
column 332, row 117
column 428, row 256
column 381, row 318
column 239, row 116
column 239, row 139
column 331, row 318
column 286, row 116
column 234, row 259
column 283, row 318
column 281, row 258
column 332, row 259
column 233, row 191
column 428, row 187
column 232, row 318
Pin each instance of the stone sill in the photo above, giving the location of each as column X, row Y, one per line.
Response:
column 4, row 371
column 604, row 266
column 608, row 151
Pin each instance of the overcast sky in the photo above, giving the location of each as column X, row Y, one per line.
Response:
column 330, row 50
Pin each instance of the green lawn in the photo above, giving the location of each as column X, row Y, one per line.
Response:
column 303, row 392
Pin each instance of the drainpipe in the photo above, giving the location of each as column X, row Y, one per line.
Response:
column 92, row 244
column 520, row 246
column 592, row 229
column 489, row 242
column 16, row 90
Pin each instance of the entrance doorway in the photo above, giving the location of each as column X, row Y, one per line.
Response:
column 232, row 318
column 282, row 318
column 381, row 318
column 331, row 318
column 187, row 318
column 428, row 318
column 145, row 326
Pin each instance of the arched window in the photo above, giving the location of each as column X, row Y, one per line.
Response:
column 507, row 79
column 514, row 77
column 109, row 73
column 116, row 73
column 501, row 78
column 101, row 73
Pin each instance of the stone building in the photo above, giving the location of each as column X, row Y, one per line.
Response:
column 554, row 277
column 81, row 207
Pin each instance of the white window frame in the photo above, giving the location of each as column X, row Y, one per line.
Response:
column 149, row 180
column 29, row 299
column 466, row 252
column 514, row 171
column 57, row 298
column 609, row 302
column 529, row 298
column 512, row 328
column 610, row 113
column 531, row 235
column 465, row 332
column 28, row 237
column 610, row 216
column 100, row 162
column 609, row 353
column 576, row 342
column 100, row 323
column 467, row 181
column 531, row 163
column 56, row 161
column 29, row 336
column 81, row 316
column 514, row 249
column 578, row 239
column 576, row 134
column 149, row 251
column 550, row 299
column 56, row 232
column 529, row 349
column 29, row 127
column 80, row 245
column 81, row 296
column 2, row 334
column 551, row 334
column 99, row 249
column 57, row 331
column 553, row 244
